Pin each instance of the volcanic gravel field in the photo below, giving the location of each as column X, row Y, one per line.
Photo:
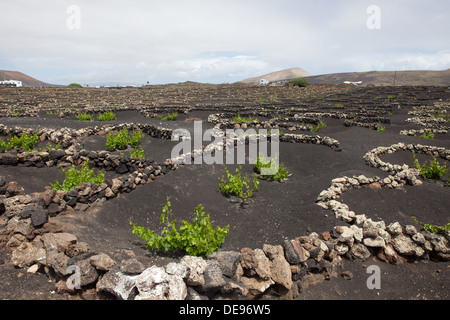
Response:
column 278, row 210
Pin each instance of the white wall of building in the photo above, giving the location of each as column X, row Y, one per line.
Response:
column 16, row 83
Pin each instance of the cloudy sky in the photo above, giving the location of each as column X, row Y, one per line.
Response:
column 132, row 42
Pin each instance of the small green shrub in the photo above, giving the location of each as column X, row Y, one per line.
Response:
column 299, row 82
column 237, row 185
column 137, row 153
column 319, row 127
column 49, row 147
column 380, row 127
column 197, row 238
column 431, row 171
column 436, row 229
column 238, row 118
column 171, row 116
column 74, row 177
column 136, row 138
column 74, row 85
column 118, row 141
column 82, row 116
column 279, row 171
column 25, row 142
column 3, row 145
column 122, row 139
column 106, row 116
column 429, row 135
column 433, row 228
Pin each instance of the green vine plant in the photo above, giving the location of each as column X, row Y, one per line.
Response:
column 238, row 186
column 238, row 118
column 435, row 229
column 196, row 238
column 50, row 147
column 319, row 127
column 429, row 135
column 106, row 116
column 74, row 177
column 137, row 153
column 25, row 142
column 278, row 170
column 170, row 117
column 380, row 127
column 121, row 140
column 83, row 116
column 433, row 170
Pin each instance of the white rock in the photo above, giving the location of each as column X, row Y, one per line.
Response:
column 353, row 181
column 341, row 248
column 410, row 229
column 263, row 268
column 177, row 288
column 363, row 179
column 153, row 283
column 378, row 242
column 323, row 246
column 33, row 269
column 196, row 266
column 404, row 245
column 385, row 235
column 395, row 228
column 360, row 218
column 347, row 236
column 357, row 233
column 419, row 238
column 370, row 224
column 120, row 285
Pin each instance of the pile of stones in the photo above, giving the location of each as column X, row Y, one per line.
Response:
column 414, row 132
column 312, row 139
column 373, row 157
column 370, row 125
column 433, row 118
column 431, row 123
column 394, row 242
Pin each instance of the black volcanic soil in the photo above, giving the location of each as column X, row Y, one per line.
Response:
column 277, row 211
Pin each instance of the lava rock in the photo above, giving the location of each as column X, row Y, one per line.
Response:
column 39, row 217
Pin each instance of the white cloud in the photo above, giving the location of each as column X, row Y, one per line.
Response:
column 419, row 61
column 217, row 41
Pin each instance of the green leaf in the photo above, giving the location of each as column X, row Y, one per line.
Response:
column 196, row 238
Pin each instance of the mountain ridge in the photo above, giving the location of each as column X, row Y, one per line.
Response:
column 286, row 74
column 398, row 78
column 387, row 78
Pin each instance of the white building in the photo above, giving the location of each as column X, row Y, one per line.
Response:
column 263, row 82
column 355, row 83
column 15, row 83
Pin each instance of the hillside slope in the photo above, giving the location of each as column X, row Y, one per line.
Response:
column 285, row 74
column 401, row 78
column 27, row 81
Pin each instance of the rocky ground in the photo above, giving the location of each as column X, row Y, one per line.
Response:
column 278, row 211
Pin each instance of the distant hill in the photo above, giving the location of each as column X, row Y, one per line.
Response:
column 402, row 78
column 286, row 74
column 27, row 81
